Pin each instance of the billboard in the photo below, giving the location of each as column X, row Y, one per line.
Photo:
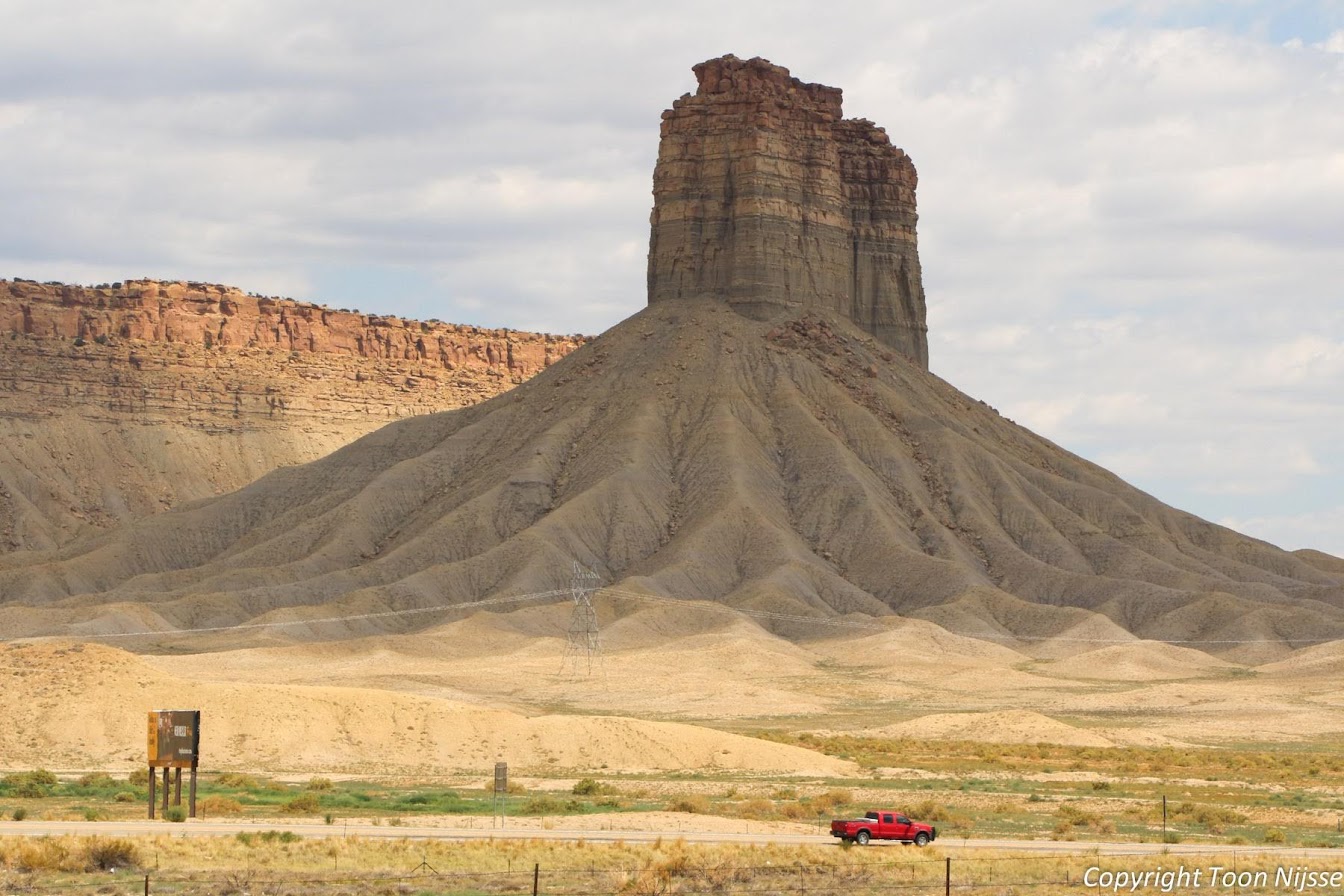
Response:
column 174, row 738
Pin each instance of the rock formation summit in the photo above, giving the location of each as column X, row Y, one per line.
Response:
column 765, row 196
column 756, row 436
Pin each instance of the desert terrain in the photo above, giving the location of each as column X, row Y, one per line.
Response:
column 798, row 536
column 672, row 689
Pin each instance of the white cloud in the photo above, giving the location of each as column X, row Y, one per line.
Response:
column 1293, row 531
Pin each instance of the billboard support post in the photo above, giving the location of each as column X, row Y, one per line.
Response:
column 174, row 740
column 501, row 791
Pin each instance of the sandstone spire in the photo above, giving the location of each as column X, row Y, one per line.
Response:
column 764, row 195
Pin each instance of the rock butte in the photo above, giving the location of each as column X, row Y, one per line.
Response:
column 765, row 196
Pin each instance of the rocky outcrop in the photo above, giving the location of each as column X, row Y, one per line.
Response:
column 765, row 196
column 222, row 358
column 121, row 400
column 223, row 317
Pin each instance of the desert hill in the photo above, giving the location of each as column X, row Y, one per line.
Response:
column 764, row 435
column 459, row 695
column 124, row 399
column 92, row 715
column 791, row 464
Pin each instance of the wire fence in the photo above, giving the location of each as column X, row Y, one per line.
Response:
column 682, row 874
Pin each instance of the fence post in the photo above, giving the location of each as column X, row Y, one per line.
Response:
column 536, row 877
column 947, row 878
column 146, row 885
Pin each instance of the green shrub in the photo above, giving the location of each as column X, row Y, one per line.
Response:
column 757, row 807
column 319, row 784
column 44, row 854
column 929, row 811
column 30, row 785
column 693, row 803
column 1072, row 818
column 237, row 781
column 304, row 804
column 586, row 787
column 97, row 781
column 110, row 854
column 1274, row 835
column 542, row 804
column 220, row 805
column 125, row 796
column 19, row 814
column 138, row 778
column 175, row 814
column 832, row 800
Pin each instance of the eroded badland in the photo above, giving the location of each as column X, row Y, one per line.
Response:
column 798, row 529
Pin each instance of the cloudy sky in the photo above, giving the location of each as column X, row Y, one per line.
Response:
column 1131, row 214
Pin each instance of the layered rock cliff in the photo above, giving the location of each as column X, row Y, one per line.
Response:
column 765, row 196
column 121, row 400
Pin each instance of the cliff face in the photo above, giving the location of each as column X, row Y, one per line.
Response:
column 120, row 401
column 212, row 316
column 765, row 196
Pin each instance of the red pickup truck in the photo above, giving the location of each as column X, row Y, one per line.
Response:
column 883, row 825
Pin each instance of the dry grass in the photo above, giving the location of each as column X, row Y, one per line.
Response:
column 274, row 863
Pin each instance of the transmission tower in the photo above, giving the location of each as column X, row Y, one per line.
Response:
column 584, row 647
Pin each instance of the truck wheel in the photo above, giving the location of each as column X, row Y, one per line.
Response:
column 861, row 838
column 921, row 839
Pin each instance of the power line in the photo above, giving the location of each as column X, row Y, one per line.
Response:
column 878, row 627
column 584, row 641
column 243, row 626
column 589, row 631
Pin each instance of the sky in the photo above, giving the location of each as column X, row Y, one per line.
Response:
column 1131, row 214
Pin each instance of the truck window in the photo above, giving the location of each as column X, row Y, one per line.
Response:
column 872, row 815
column 901, row 819
column 886, row 819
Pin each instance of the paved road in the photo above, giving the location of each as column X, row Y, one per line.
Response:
column 198, row 828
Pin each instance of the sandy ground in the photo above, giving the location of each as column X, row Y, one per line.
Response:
column 657, row 699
